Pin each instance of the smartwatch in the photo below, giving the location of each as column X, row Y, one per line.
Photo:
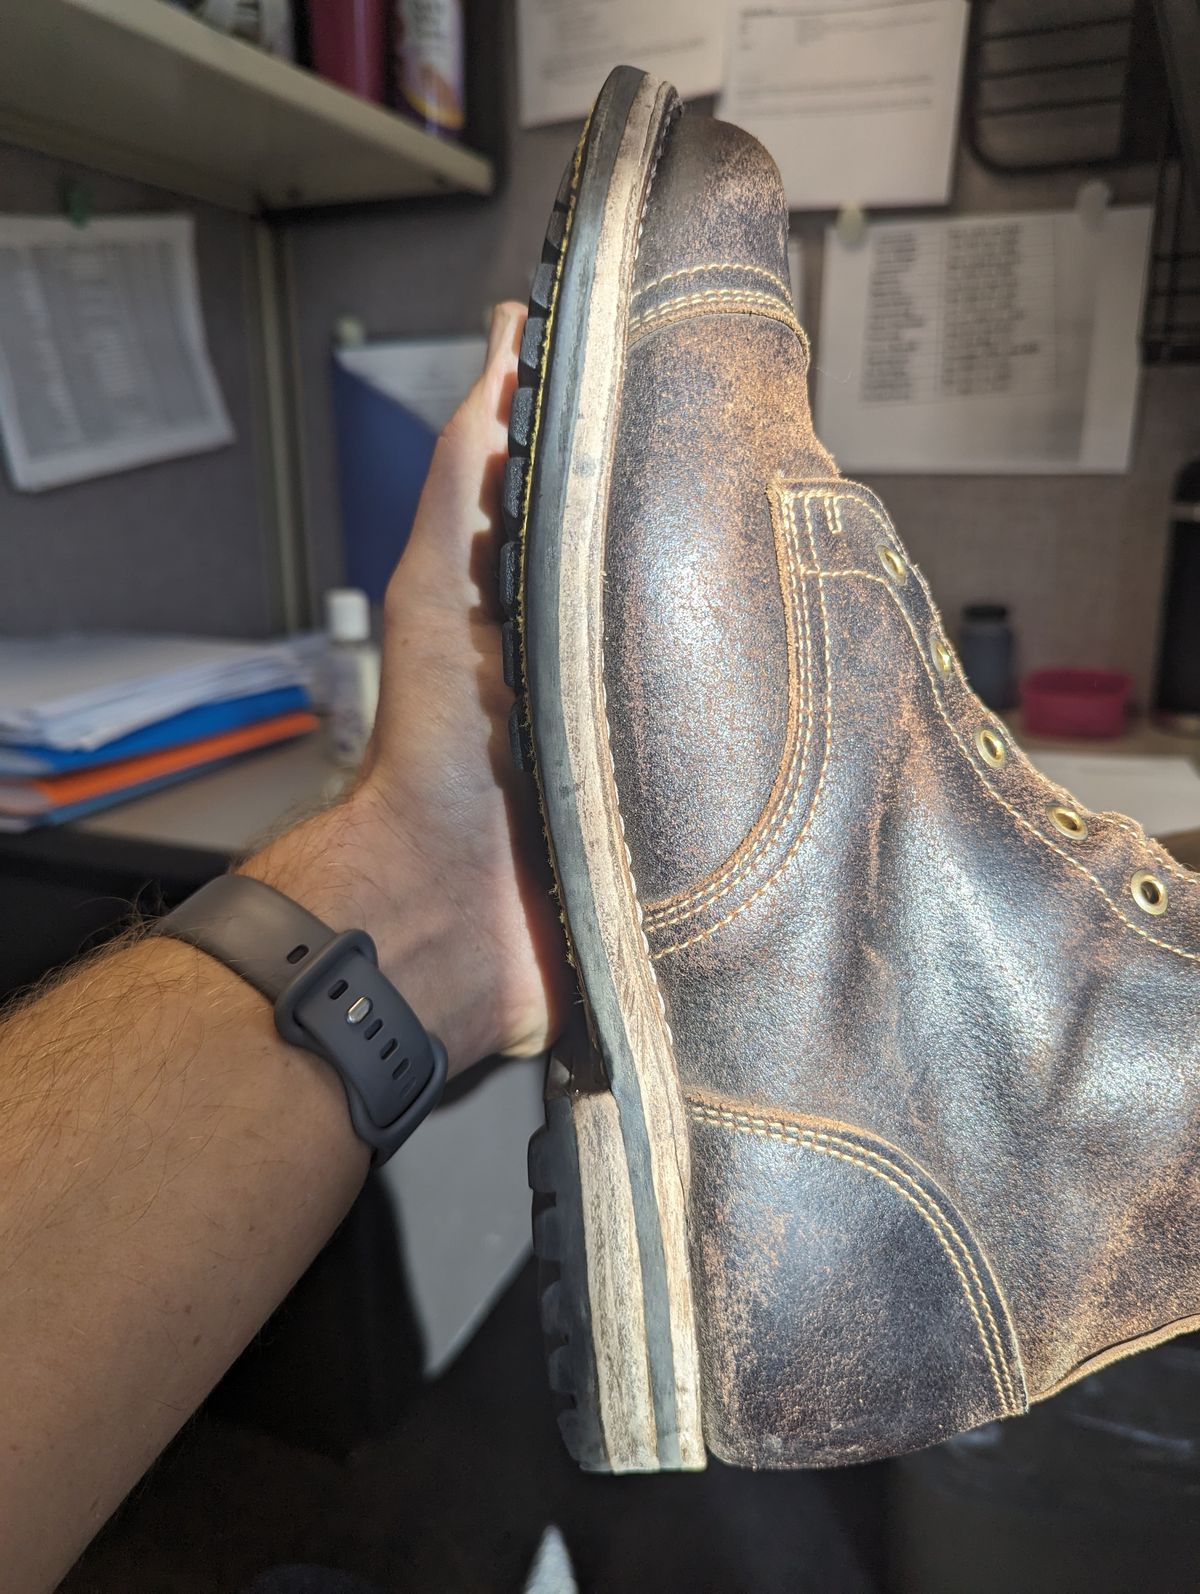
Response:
column 329, row 997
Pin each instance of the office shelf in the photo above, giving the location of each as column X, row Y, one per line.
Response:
column 141, row 89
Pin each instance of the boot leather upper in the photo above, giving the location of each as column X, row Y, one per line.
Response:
column 940, row 1066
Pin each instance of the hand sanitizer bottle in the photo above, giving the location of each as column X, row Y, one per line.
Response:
column 353, row 674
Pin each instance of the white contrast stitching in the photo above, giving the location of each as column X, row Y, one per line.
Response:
column 718, row 265
column 770, row 881
column 684, row 905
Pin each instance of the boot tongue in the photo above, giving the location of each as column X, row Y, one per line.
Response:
column 716, row 219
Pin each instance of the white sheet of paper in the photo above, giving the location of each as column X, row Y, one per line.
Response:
column 987, row 343
column 1162, row 794
column 857, row 103
column 103, row 359
column 84, row 690
column 566, row 48
column 429, row 376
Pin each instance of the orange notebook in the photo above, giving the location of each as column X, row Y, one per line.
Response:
column 50, row 792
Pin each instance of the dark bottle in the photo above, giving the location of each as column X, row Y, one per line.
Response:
column 985, row 649
column 1177, row 695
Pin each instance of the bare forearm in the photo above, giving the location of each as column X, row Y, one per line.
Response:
column 168, row 1168
column 168, row 1165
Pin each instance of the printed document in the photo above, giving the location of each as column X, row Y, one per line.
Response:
column 103, row 360
column 566, row 48
column 990, row 343
column 857, row 103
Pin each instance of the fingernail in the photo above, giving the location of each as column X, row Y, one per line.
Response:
column 501, row 321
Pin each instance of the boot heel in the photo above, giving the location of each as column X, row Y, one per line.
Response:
column 589, row 1272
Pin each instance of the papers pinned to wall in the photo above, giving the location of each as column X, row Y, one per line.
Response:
column 103, row 360
column 858, row 104
column 988, row 344
column 566, row 48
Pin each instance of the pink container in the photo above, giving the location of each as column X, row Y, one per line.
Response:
column 349, row 44
column 1075, row 702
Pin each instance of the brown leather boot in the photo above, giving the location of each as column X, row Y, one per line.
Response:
column 881, row 1117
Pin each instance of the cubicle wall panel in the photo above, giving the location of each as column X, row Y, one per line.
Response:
column 179, row 546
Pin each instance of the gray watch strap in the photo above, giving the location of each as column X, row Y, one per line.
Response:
column 329, row 997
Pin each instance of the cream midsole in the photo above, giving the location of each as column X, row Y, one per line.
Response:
column 614, row 889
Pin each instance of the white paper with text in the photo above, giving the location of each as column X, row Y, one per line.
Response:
column 983, row 344
column 858, row 104
column 566, row 48
column 103, row 358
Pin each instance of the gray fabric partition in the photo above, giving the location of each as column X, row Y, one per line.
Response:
column 179, row 546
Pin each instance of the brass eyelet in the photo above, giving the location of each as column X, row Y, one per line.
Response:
column 892, row 563
column 991, row 747
column 943, row 653
column 1068, row 821
column 1148, row 891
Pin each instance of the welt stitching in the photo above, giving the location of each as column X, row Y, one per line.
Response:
column 717, row 265
column 772, row 878
column 684, row 905
column 833, row 1146
column 1167, row 946
column 633, row 886
column 669, row 120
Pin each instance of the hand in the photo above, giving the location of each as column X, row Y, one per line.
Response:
column 438, row 851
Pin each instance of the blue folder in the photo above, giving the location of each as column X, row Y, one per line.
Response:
column 207, row 719
column 383, row 454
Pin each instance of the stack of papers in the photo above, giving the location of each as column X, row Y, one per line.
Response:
column 86, row 722
column 83, row 691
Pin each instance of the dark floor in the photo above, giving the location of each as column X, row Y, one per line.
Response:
column 455, row 1500
column 1095, row 1492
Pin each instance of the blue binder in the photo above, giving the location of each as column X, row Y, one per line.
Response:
column 383, row 454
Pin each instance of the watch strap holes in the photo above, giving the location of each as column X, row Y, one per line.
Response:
column 297, row 953
column 388, row 1049
column 399, row 1068
column 372, row 1029
column 337, row 990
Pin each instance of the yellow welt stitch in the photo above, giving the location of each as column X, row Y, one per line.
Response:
column 671, row 909
column 718, row 265
column 1080, row 868
column 768, row 883
column 829, row 1145
column 697, row 1103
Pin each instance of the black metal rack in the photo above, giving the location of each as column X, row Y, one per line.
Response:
column 1082, row 85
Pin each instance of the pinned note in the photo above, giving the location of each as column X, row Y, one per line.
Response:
column 985, row 343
